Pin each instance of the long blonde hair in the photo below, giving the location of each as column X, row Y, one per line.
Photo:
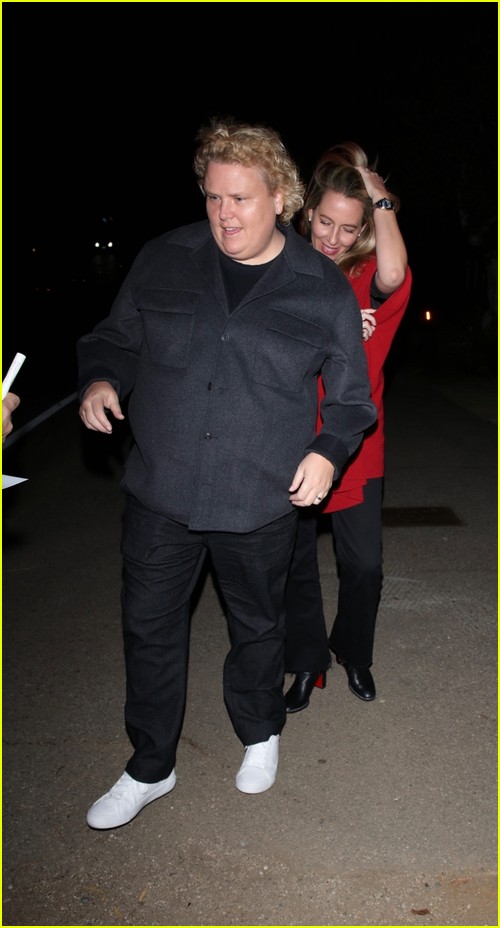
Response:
column 336, row 170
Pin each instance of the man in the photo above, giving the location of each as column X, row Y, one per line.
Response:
column 218, row 334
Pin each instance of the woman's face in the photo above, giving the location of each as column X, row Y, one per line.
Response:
column 336, row 223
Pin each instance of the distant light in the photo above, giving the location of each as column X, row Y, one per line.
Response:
column 97, row 245
column 428, row 315
column 110, row 244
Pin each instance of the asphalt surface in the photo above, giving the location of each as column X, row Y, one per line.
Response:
column 383, row 813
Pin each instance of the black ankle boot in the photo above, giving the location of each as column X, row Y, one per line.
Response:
column 297, row 697
column 361, row 682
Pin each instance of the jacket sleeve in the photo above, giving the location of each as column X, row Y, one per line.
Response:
column 388, row 317
column 111, row 351
column 346, row 409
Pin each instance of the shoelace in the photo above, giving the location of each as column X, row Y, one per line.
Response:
column 124, row 788
column 259, row 754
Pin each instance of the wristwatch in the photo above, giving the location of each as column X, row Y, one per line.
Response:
column 383, row 204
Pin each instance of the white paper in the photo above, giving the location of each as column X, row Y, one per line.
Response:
column 12, row 373
column 11, row 481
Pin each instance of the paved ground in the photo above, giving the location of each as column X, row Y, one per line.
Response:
column 382, row 813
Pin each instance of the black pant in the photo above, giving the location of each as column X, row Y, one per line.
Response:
column 162, row 561
column 306, row 646
column 357, row 534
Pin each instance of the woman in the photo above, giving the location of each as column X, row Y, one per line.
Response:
column 350, row 217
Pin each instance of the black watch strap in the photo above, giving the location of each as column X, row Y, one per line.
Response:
column 384, row 203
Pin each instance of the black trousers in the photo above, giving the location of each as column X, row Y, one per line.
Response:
column 357, row 534
column 162, row 561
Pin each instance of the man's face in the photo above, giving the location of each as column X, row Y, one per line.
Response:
column 242, row 212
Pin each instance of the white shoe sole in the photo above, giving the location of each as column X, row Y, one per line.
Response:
column 253, row 788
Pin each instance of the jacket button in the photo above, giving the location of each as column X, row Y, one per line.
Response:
column 207, row 435
column 224, row 338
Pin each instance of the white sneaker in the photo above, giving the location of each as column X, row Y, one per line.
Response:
column 125, row 799
column 260, row 765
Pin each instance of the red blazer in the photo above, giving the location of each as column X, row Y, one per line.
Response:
column 368, row 461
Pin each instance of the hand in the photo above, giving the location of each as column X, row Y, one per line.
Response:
column 99, row 397
column 374, row 184
column 312, row 481
column 369, row 323
column 9, row 404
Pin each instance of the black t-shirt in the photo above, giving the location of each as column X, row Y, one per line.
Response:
column 240, row 278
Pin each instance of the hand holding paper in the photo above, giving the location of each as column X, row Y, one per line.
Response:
column 10, row 402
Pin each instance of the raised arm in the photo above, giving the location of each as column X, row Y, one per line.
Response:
column 392, row 259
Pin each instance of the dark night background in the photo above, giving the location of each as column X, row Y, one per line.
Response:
column 101, row 105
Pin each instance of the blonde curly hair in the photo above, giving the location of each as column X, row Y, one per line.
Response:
column 230, row 142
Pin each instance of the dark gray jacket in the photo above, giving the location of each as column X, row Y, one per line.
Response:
column 223, row 406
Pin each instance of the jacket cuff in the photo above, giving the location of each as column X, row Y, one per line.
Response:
column 332, row 449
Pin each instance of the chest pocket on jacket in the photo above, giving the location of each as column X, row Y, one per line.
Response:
column 168, row 319
column 288, row 349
